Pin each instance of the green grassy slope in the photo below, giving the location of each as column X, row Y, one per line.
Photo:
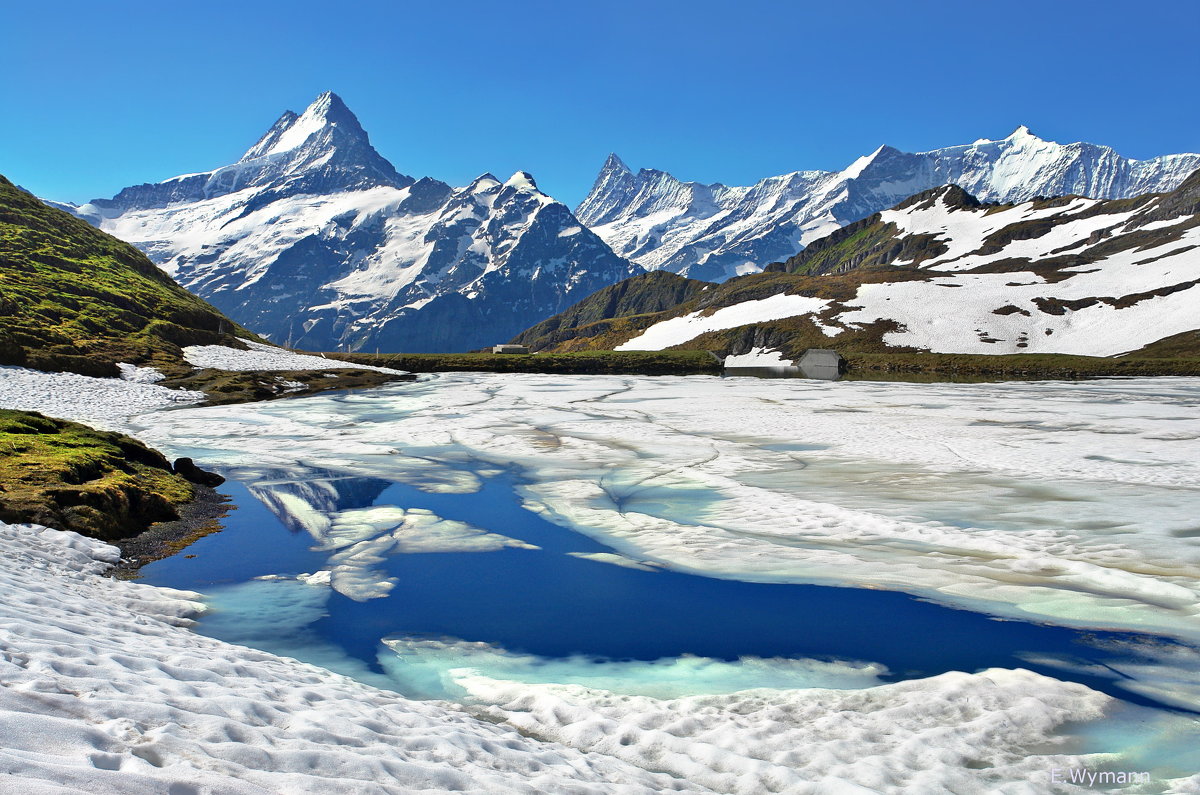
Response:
column 585, row 362
column 644, row 294
column 73, row 298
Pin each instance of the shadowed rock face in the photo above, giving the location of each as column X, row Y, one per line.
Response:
column 186, row 468
column 313, row 239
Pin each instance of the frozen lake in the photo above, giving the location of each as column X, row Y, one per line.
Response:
column 481, row 538
column 555, row 602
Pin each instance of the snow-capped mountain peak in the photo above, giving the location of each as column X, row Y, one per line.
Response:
column 292, row 131
column 322, row 150
column 483, row 183
column 855, row 169
column 1022, row 133
column 312, row 238
column 522, row 181
column 713, row 232
column 615, row 164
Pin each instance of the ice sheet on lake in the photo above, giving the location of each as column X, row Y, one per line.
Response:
column 433, row 668
column 1087, row 515
column 359, row 539
column 364, row 537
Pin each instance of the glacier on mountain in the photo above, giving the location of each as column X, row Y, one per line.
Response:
column 715, row 232
column 313, row 239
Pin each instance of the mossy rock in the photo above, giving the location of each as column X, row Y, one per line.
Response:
column 69, row 476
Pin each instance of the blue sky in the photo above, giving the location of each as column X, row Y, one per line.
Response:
column 98, row 96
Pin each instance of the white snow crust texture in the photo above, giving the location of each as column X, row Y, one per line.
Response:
column 105, row 689
column 102, row 402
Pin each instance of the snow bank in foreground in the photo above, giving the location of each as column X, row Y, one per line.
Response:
column 951, row 733
column 267, row 357
column 102, row 402
column 107, row 690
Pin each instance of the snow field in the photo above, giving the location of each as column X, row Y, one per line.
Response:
column 267, row 357
column 679, row 330
column 102, row 402
column 107, row 690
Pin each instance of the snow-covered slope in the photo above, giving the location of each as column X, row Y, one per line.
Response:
column 312, row 238
column 946, row 273
column 714, row 231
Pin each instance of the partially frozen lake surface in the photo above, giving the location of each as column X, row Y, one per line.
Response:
column 478, row 537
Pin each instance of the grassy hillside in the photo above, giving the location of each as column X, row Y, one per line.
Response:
column 73, row 298
column 868, row 252
column 644, row 294
column 609, row 333
column 588, row 362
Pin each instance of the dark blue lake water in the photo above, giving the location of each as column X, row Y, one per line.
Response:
column 548, row 603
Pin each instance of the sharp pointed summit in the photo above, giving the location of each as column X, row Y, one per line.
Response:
column 1022, row 133
column 615, row 164
column 322, row 150
column 313, row 238
column 522, row 180
column 291, row 131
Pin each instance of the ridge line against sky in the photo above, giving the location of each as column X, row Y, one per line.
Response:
column 101, row 97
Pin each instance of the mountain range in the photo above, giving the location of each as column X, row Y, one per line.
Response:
column 314, row 240
column 715, row 232
column 941, row 272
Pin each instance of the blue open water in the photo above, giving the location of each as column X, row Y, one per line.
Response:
column 548, row 603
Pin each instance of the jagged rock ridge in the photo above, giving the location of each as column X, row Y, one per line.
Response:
column 715, row 231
